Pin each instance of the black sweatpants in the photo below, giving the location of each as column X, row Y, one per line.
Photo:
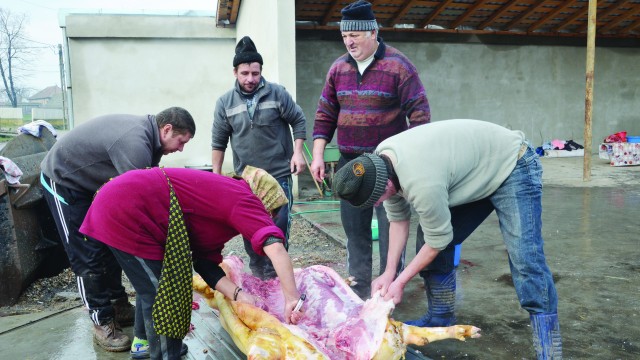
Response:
column 98, row 274
column 145, row 277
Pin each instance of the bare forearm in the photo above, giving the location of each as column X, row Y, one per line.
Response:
column 398, row 235
column 217, row 158
column 283, row 267
column 318, row 148
column 423, row 258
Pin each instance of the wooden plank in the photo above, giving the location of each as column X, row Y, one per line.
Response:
column 209, row 340
column 619, row 19
column 434, row 14
column 588, row 110
column 578, row 14
column 404, row 9
column 550, row 14
column 603, row 14
column 523, row 15
column 497, row 14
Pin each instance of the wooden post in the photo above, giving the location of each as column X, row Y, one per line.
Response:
column 588, row 108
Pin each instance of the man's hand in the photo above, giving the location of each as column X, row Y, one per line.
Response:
column 317, row 168
column 290, row 316
column 297, row 163
column 317, row 163
column 382, row 283
column 394, row 292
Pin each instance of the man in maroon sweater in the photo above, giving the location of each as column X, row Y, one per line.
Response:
column 371, row 93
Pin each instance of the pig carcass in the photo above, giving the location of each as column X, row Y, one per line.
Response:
column 337, row 324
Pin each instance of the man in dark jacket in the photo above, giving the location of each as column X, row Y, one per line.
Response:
column 77, row 165
column 258, row 117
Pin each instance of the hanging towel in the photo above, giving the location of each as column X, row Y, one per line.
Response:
column 33, row 128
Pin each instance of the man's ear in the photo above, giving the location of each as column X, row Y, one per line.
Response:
column 166, row 128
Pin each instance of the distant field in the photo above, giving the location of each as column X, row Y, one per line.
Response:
column 13, row 124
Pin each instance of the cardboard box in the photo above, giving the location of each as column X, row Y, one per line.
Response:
column 620, row 154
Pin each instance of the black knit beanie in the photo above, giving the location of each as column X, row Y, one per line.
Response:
column 361, row 181
column 358, row 16
column 246, row 52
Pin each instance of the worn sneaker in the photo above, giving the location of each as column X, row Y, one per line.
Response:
column 110, row 338
column 125, row 312
column 140, row 349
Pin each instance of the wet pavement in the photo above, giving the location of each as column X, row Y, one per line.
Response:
column 592, row 244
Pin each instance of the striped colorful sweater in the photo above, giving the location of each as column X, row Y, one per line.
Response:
column 368, row 109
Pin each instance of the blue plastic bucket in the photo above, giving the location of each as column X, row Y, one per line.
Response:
column 456, row 257
column 633, row 139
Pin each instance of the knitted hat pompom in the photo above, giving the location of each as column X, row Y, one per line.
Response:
column 246, row 52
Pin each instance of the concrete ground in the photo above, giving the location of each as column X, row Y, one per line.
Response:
column 591, row 243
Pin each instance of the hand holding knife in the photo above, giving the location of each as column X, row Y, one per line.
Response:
column 303, row 297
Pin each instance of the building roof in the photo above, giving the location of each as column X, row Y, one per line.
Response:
column 46, row 93
column 614, row 18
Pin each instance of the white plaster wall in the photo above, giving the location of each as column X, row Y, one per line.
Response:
column 271, row 26
column 144, row 64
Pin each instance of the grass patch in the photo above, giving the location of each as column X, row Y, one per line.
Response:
column 14, row 124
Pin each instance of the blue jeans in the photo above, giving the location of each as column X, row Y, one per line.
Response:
column 357, row 227
column 261, row 266
column 518, row 204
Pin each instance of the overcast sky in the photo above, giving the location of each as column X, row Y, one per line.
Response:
column 43, row 29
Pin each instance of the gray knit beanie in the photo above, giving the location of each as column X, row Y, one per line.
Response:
column 358, row 16
column 246, row 52
column 362, row 181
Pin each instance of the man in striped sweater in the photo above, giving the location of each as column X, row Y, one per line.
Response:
column 371, row 93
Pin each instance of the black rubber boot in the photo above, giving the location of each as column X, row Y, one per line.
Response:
column 441, row 299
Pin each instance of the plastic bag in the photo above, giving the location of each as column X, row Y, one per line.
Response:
column 617, row 137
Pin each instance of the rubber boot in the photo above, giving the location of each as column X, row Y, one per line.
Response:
column 546, row 336
column 110, row 338
column 124, row 311
column 441, row 299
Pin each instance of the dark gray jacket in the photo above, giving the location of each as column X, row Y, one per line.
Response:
column 102, row 148
column 264, row 141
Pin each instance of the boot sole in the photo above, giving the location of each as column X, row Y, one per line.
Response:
column 112, row 348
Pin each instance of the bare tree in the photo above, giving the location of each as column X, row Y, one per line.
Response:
column 14, row 55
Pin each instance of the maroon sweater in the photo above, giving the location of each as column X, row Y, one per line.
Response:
column 370, row 108
column 131, row 213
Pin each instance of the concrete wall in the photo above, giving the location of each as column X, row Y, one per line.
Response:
column 271, row 25
column 539, row 89
column 142, row 64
